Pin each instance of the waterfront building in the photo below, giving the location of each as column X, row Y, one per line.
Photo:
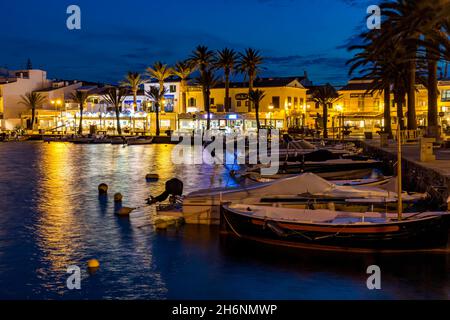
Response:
column 283, row 105
column 14, row 84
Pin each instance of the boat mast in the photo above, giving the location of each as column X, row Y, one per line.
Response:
column 399, row 174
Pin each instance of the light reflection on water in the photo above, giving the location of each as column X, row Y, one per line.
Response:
column 51, row 217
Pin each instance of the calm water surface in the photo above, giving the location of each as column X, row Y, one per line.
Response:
column 51, row 218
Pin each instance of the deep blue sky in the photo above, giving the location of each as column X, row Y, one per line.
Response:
column 117, row 36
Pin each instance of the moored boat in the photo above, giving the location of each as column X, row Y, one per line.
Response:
column 203, row 206
column 333, row 230
column 140, row 141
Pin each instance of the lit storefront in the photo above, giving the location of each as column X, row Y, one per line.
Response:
column 227, row 122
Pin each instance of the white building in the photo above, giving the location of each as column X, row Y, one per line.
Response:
column 14, row 84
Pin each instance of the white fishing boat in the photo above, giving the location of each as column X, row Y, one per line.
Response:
column 203, row 206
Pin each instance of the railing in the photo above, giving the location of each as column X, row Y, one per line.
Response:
column 411, row 135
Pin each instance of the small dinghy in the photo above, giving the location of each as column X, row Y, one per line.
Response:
column 334, row 230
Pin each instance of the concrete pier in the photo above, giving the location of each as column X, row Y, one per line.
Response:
column 430, row 176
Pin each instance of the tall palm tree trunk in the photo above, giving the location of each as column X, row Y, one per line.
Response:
column 227, row 91
column 33, row 118
column 157, row 119
column 412, row 121
column 250, row 89
column 387, row 111
column 80, row 127
column 325, row 120
column 399, row 97
column 208, row 111
column 432, row 117
column 183, row 96
column 119, row 130
column 258, row 124
column 135, row 100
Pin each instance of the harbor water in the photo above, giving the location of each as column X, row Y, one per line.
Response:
column 51, row 217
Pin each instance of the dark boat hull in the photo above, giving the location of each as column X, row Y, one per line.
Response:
column 429, row 232
column 322, row 167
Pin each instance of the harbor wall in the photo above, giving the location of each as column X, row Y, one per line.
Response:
column 416, row 176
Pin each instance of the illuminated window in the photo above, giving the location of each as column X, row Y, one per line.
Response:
column 445, row 95
column 164, row 123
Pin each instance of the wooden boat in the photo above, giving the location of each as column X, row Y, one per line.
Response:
column 332, row 230
column 140, row 141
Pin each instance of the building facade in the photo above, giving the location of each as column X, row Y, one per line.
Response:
column 14, row 84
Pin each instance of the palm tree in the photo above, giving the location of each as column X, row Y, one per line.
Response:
column 114, row 96
column 250, row 64
column 157, row 96
column 226, row 60
column 207, row 80
column 32, row 100
column 385, row 68
column 160, row 72
column 202, row 58
column 133, row 81
column 424, row 24
column 183, row 70
column 256, row 97
column 80, row 97
column 325, row 95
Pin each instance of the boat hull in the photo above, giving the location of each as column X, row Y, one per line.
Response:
column 423, row 233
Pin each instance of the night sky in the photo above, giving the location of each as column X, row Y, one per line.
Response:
column 117, row 36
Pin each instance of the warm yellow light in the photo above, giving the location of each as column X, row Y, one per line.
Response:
column 271, row 106
column 58, row 101
column 52, row 102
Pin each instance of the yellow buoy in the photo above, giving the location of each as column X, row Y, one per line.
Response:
column 118, row 197
column 102, row 188
column 152, row 176
column 93, row 264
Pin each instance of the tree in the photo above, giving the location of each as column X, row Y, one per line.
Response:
column 250, row 64
column 157, row 95
column 202, row 58
column 183, row 70
column 32, row 100
column 325, row 95
column 256, row 97
column 422, row 25
column 385, row 68
column 114, row 96
column 80, row 97
column 226, row 60
column 160, row 72
column 207, row 80
column 133, row 81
